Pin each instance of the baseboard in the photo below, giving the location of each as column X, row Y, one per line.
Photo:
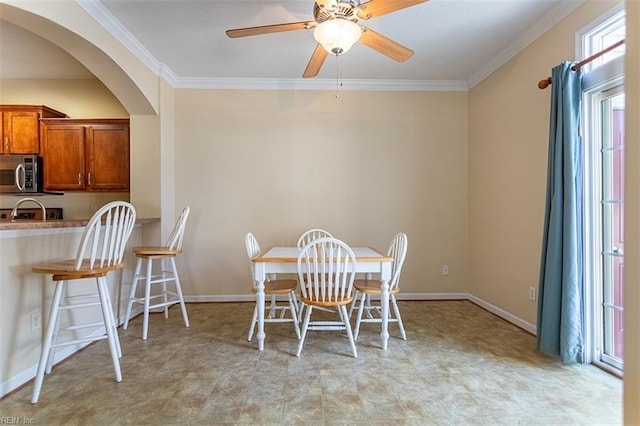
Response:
column 504, row 314
column 251, row 297
column 29, row 373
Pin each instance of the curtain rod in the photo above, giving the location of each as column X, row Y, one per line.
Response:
column 543, row 84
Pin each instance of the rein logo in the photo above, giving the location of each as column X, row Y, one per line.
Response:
column 5, row 420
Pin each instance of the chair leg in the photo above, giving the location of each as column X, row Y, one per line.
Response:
column 45, row 353
column 56, row 329
column 353, row 303
column 112, row 336
column 347, row 325
column 163, row 276
column 294, row 314
column 272, row 307
column 254, row 321
column 147, row 297
column 114, row 322
column 183, row 307
column 359, row 317
column 296, row 302
column 132, row 295
column 398, row 317
column 368, row 307
column 305, row 326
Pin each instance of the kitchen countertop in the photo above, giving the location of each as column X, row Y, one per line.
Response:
column 64, row 223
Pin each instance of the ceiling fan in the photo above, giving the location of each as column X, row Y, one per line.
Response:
column 336, row 29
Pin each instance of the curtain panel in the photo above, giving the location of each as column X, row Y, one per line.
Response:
column 560, row 321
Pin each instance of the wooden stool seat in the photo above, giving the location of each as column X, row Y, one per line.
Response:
column 372, row 287
column 278, row 287
column 150, row 251
column 64, row 269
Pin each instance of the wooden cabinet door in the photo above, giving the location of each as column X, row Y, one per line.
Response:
column 63, row 157
column 21, row 132
column 2, row 139
column 107, row 157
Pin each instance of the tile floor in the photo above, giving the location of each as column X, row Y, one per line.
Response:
column 460, row 365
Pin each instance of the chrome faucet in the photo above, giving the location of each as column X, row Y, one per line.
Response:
column 14, row 212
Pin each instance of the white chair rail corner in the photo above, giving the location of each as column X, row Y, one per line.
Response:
column 284, row 260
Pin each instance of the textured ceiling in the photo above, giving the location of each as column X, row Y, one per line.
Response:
column 458, row 41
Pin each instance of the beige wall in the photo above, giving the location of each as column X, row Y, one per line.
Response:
column 365, row 166
column 76, row 98
column 508, row 142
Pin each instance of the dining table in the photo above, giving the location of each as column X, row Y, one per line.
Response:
column 284, row 260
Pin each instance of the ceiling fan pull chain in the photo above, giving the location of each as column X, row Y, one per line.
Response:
column 338, row 76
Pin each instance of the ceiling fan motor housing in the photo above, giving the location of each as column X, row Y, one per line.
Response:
column 344, row 10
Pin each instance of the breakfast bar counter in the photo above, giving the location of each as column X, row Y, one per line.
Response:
column 55, row 224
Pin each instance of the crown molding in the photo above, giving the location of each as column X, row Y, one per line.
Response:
column 553, row 17
column 320, row 84
column 120, row 32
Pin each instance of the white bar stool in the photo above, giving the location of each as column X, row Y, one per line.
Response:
column 101, row 251
column 168, row 298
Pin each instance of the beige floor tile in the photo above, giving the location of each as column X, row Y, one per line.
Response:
column 460, row 365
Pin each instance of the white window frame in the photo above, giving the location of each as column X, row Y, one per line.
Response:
column 598, row 77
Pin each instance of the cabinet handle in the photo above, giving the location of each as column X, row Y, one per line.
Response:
column 6, row 143
column 89, row 178
column 79, row 178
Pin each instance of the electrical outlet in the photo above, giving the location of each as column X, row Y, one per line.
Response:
column 36, row 320
column 445, row 269
column 532, row 293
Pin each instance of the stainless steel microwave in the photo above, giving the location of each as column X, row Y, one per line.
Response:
column 20, row 174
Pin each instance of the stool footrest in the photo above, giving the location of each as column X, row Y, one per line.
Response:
column 77, row 341
column 79, row 305
column 155, row 278
column 326, row 325
column 81, row 326
column 167, row 303
column 174, row 300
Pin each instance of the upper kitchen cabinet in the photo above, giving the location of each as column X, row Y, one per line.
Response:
column 21, row 127
column 85, row 154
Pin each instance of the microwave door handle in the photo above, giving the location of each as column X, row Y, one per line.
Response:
column 20, row 168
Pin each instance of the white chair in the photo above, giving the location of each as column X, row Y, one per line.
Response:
column 304, row 239
column 367, row 288
column 101, row 251
column 310, row 235
column 168, row 252
column 326, row 271
column 272, row 287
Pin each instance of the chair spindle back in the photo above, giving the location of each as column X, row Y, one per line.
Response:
column 105, row 237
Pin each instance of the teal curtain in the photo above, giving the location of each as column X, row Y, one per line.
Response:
column 560, row 292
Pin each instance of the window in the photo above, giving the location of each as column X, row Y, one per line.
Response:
column 605, row 34
column 603, row 122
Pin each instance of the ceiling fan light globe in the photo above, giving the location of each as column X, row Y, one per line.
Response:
column 337, row 35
